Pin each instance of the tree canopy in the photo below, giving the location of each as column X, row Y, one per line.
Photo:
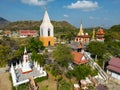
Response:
column 64, row 85
column 82, row 71
column 113, row 47
column 62, row 54
column 5, row 55
column 97, row 48
column 38, row 57
column 35, row 44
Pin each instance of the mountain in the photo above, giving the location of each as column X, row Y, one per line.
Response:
column 36, row 25
column 3, row 22
column 115, row 28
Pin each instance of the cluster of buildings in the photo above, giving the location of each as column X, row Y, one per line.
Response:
column 48, row 39
column 83, row 37
column 47, row 33
column 19, row 33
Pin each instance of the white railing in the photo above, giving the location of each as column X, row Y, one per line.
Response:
column 95, row 65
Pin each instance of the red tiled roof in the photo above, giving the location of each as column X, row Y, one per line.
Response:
column 28, row 32
column 7, row 32
column 83, row 36
column 26, row 72
column 100, row 31
column 78, row 58
column 115, row 62
column 113, row 68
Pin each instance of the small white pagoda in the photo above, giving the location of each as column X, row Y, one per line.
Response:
column 22, row 71
column 26, row 63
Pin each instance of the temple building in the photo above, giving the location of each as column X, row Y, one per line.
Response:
column 22, row 71
column 7, row 33
column 100, row 35
column 81, row 36
column 27, row 33
column 47, row 31
column 79, row 58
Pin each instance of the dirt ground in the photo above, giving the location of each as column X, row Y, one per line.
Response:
column 49, row 84
column 5, row 83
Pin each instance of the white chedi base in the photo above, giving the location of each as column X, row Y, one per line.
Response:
column 26, row 67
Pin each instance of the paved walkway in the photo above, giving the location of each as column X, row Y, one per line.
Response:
column 112, row 85
column 3, row 70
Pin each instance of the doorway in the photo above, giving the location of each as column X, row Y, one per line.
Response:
column 49, row 43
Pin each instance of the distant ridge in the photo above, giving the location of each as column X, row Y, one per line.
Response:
column 59, row 25
column 3, row 22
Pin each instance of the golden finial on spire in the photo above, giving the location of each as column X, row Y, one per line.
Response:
column 81, row 30
column 93, row 35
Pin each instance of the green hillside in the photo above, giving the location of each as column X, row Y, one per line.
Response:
column 36, row 24
column 61, row 28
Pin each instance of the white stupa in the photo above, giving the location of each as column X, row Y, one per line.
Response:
column 21, row 72
column 26, row 63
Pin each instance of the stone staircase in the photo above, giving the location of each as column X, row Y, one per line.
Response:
column 102, row 73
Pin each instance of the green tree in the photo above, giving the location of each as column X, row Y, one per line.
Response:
column 111, row 36
column 64, row 85
column 113, row 47
column 55, row 70
column 82, row 71
column 19, row 52
column 7, row 41
column 38, row 57
column 35, row 44
column 69, row 74
column 97, row 48
column 62, row 54
column 70, row 35
column 5, row 55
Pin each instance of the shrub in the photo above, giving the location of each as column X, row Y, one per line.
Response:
column 41, row 79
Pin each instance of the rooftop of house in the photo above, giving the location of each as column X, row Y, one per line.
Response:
column 28, row 31
column 114, row 64
column 83, row 36
column 100, row 31
column 78, row 58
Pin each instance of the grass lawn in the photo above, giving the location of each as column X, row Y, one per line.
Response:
column 49, row 84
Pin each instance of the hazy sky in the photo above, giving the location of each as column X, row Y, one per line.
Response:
column 92, row 12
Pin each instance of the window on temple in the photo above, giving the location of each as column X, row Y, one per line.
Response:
column 48, row 31
column 49, row 43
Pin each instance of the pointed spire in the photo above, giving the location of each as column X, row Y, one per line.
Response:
column 46, row 18
column 93, row 35
column 81, row 31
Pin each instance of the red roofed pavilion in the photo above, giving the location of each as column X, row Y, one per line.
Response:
column 100, row 35
column 79, row 58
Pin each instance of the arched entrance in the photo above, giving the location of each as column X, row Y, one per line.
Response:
column 49, row 43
